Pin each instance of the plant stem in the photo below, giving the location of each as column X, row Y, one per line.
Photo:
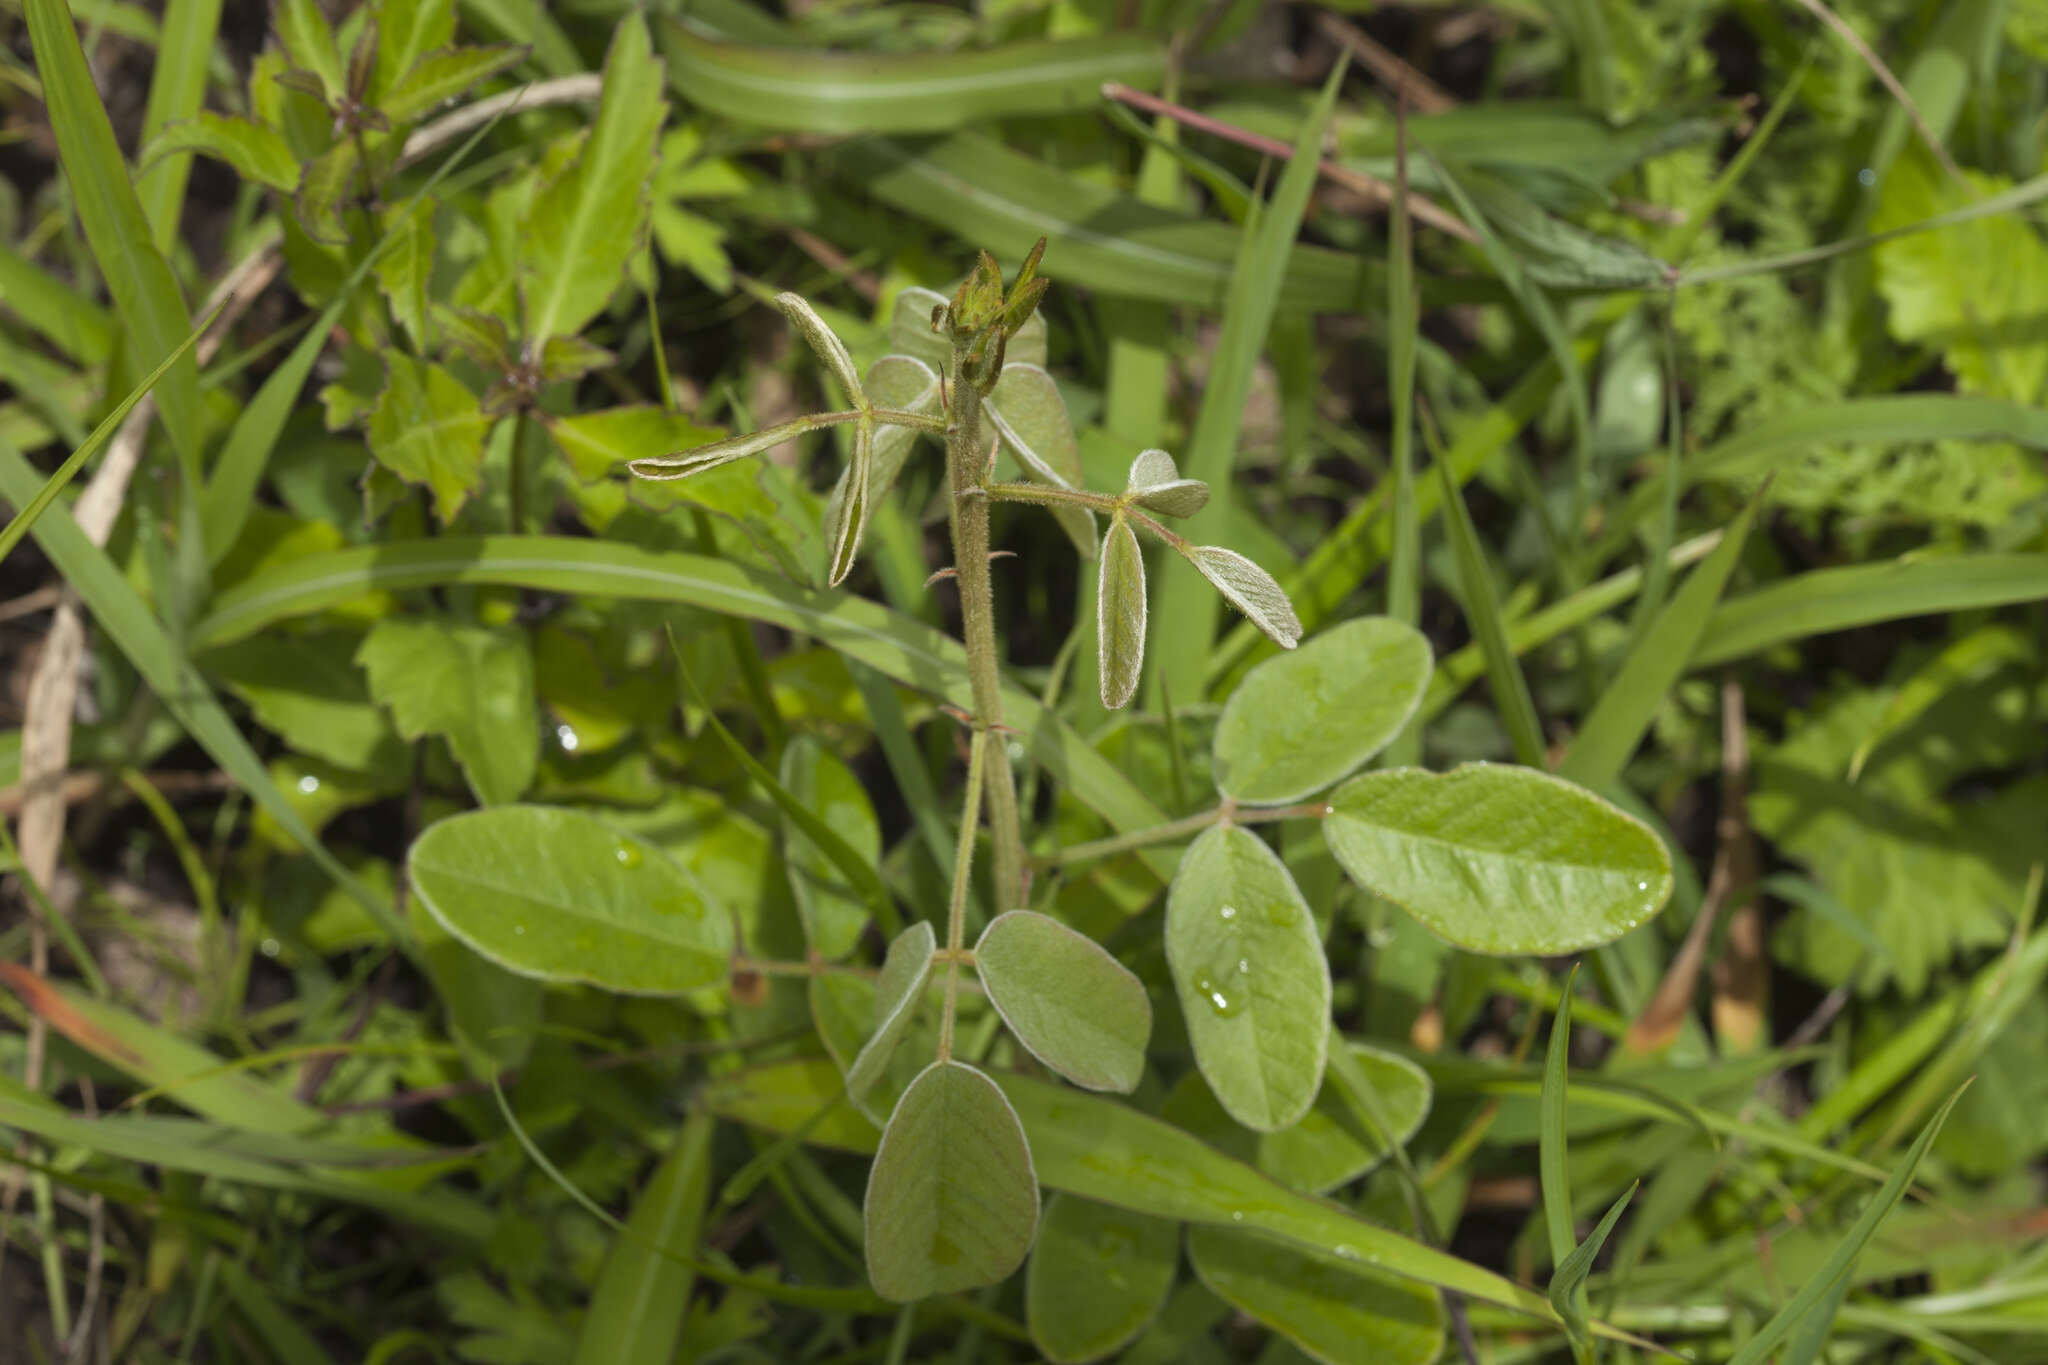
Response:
column 1174, row 830
column 967, row 474
column 956, row 906
column 517, row 495
column 1046, row 495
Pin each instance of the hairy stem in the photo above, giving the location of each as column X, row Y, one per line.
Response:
column 956, row 906
column 967, row 479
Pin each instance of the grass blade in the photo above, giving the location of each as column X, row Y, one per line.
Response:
column 1185, row 621
column 637, row 1306
column 1658, row 660
column 1819, row 1293
column 177, row 88
column 1483, row 614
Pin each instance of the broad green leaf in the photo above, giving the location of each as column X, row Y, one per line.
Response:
column 641, row 1295
column 1329, row 1146
column 600, row 443
column 145, row 292
column 1097, row 1276
column 1071, row 1004
column 871, row 92
column 428, row 428
column 493, row 1014
column 1030, row 416
column 571, row 357
column 835, row 913
column 952, row 1199
column 1187, row 614
column 1499, row 859
column 911, row 652
column 1302, row 721
column 257, row 152
column 555, row 894
column 1320, row 1307
column 307, row 689
column 1251, row 590
column 1120, row 614
column 1253, row 984
column 897, row 992
column 473, row 684
column 1156, row 485
column 591, row 219
column 1618, row 722
column 442, row 75
column 407, row 30
column 1101, row 1149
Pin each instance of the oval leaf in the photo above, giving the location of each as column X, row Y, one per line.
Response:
column 1316, row 1304
column 1300, row 722
column 1251, row 975
column 1329, row 1147
column 1098, row 1275
column 1120, row 614
column 834, row 911
column 1251, row 590
column 555, row 894
column 952, row 1200
column 1030, row 416
column 1157, row 486
column 1076, row 1008
column 897, row 990
column 1500, row 859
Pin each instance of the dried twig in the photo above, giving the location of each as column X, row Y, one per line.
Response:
column 1371, row 187
column 1424, row 95
column 1890, row 82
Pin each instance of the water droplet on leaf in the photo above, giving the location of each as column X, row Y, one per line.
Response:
column 629, row 855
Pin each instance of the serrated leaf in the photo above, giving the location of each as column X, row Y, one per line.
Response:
column 1499, row 859
column 1120, row 614
column 558, row 895
column 405, row 270
column 481, row 337
column 1030, row 416
column 1072, row 1005
column 598, row 443
column 1098, row 1275
column 410, row 29
column 591, row 220
column 834, row 912
column 1253, row 984
column 308, row 40
column 472, row 684
column 325, row 186
column 440, row 76
column 952, row 1200
column 1317, row 1304
column 1300, row 722
column 428, row 428
column 257, row 153
column 570, row 357
column 904, row 974
column 1251, row 590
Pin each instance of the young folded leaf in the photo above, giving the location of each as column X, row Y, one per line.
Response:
column 684, row 463
column 849, row 511
column 1120, row 614
column 830, row 349
column 1155, row 484
column 1251, row 590
column 897, row 991
column 1072, row 1005
column 952, row 1200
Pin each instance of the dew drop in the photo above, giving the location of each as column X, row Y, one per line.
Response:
column 1224, row 1006
column 1642, row 886
column 270, row 947
column 629, row 855
column 1237, row 1215
column 309, row 784
column 1244, row 967
column 1227, row 912
column 565, row 735
column 518, row 929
